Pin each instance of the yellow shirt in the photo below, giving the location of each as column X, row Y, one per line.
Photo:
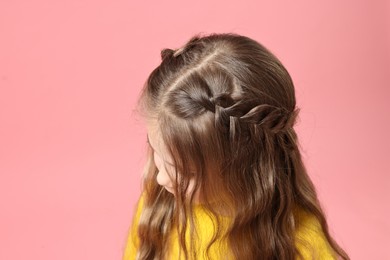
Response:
column 309, row 231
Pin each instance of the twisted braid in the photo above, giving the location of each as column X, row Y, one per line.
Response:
column 271, row 118
column 275, row 119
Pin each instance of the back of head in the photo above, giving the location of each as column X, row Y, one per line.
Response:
column 224, row 103
column 225, row 108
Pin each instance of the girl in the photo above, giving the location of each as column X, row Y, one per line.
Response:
column 224, row 177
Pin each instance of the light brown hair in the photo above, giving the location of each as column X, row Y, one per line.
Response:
column 226, row 107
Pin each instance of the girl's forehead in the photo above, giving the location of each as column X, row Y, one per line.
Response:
column 152, row 127
column 160, row 150
column 153, row 134
column 154, row 142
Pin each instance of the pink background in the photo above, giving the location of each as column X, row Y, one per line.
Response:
column 71, row 148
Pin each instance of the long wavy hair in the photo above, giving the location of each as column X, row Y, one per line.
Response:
column 225, row 108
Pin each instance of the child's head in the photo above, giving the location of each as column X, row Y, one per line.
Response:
column 220, row 114
column 218, row 108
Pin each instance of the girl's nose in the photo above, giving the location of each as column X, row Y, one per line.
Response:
column 163, row 179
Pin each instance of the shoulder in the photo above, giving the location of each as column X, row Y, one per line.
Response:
column 310, row 238
column 132, row 243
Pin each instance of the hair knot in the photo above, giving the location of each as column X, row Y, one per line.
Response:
column 273, row 119
column 166, row 53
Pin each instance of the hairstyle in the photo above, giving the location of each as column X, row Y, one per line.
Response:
column 225, row 106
